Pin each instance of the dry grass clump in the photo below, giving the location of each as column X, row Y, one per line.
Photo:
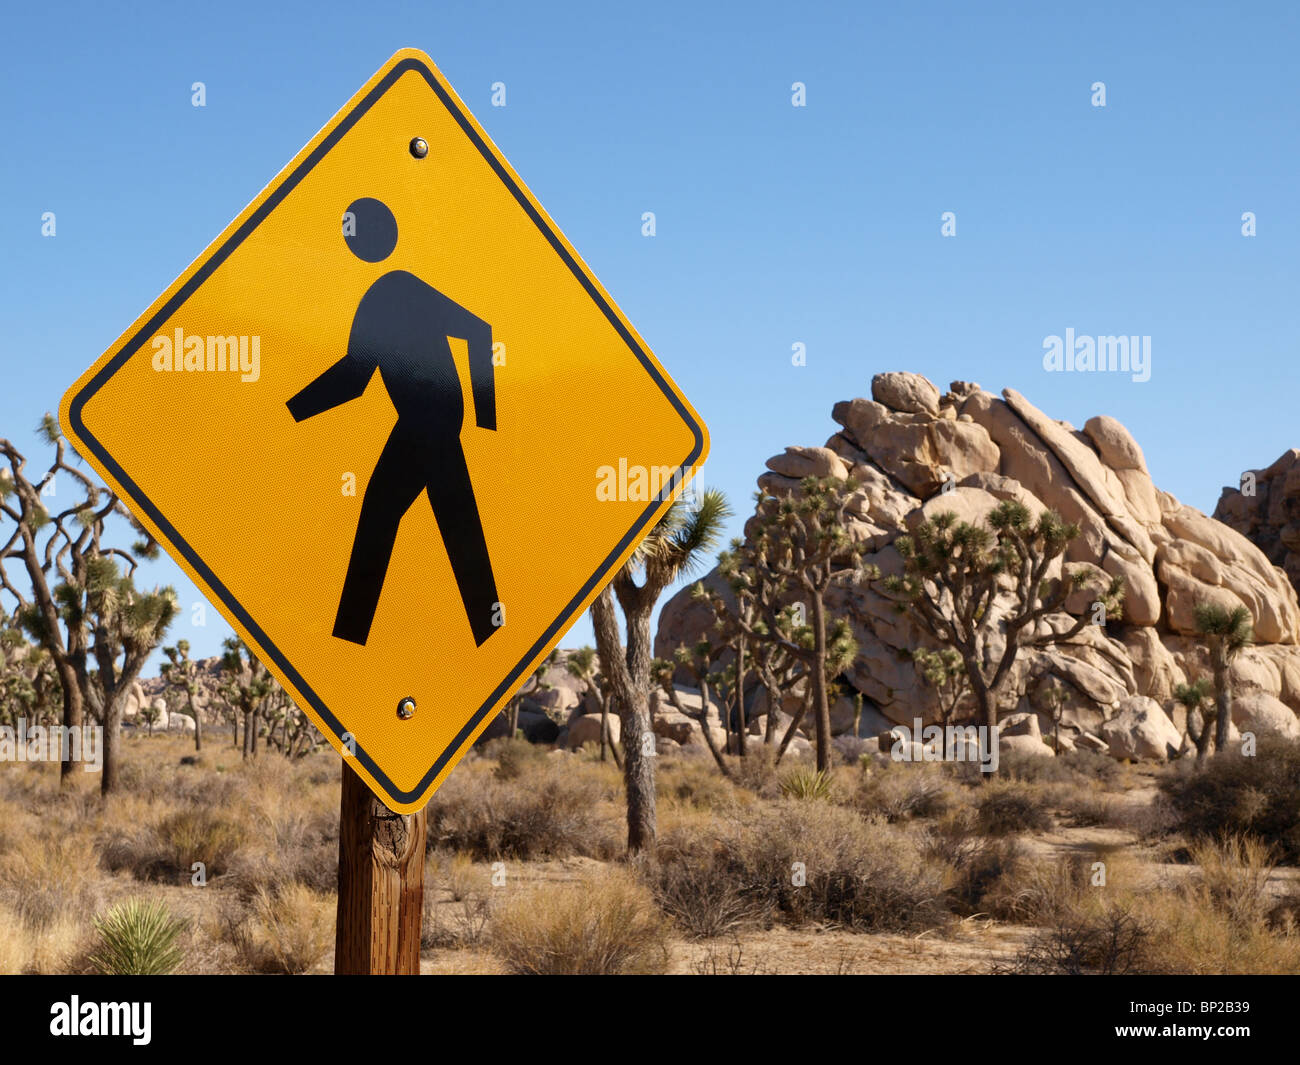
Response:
column 49, row 872
column 1006, row 808
column 797, row 862
column 167, row 850
column 555, row 809
column 901, row 791
column 458, row 902
column 1219, row 920
column 289, row 930
column 292, row 845
column 757, row 772
column 697, row 784
column 1078, row 767
column 603, row 926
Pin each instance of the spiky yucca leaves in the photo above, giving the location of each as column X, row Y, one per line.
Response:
column 684, row 535
column 1195, row 699
column 137, row 938
column 1227, row 632
column 953, row 572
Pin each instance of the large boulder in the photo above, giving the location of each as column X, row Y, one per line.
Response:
column 1141, row 731
column 586, row 729
column 909, row 393
column 1259, row 712
column 1265, row 508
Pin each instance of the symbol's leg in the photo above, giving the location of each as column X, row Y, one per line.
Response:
column 392, row 489
column 452, row 498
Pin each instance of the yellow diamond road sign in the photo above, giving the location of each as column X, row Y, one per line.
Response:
column 393, row 427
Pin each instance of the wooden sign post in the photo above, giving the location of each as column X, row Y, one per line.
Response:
column 381, row 885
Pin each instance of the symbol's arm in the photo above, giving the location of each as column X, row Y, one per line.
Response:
column 343, row 381
column 481, row 375
column 460, row 323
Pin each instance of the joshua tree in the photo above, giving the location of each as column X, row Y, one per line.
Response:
column 1201, row 712
column 672, row 548
column 181, row 676
column 942, row 670
column 1227, row 632
column 583, row 664
column 955, row 572
column 151, row 715
column 83, row 610
column 744, row 627
column 800, row 544
column 245, row 685
column 29, row 683
column 698, row 660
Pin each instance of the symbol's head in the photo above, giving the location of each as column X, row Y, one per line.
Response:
column 370, row 230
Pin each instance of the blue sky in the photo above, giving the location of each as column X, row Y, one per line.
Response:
column 775, row 224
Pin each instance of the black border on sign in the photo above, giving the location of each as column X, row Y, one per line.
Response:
column 205, row 271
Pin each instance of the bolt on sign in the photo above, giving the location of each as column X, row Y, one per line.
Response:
column 377, row 420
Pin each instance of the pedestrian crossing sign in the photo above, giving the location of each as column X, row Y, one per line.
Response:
column 376, row 421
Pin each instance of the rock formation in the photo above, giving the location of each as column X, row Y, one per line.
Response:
column 915, row 452
column 1265, row 508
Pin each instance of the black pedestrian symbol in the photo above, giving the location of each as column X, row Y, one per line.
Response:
column 401, row 329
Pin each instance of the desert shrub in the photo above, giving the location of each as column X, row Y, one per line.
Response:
column 43, row 877
column 168, row 850
column 807, row 783
column 15, row 942
column 514, row 756
column 1003, row 809
column 1236, row 794
column 699, row 893
column 463, row 921
column 137, row 938
column 1233, row 872
column 974, row 863
column 902, row 791
column 295, row 927
column 1111, row 941
column 698, row 784
column 551, row 812
column 1092, row 765
column 1079, row 766
column 291, row 846
column 608, row 925
column 849, row 750
column 1218, row 920
column 1089, row 808
column 798, row 862
column 757, row 771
